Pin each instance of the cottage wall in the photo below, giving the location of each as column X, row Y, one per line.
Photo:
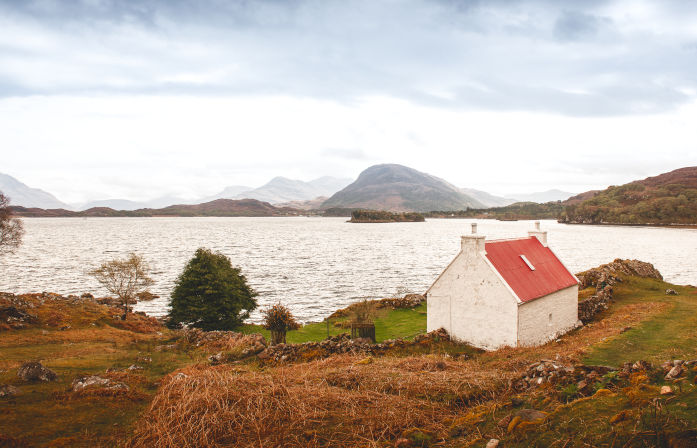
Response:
column 472, row 303
column 548, row 317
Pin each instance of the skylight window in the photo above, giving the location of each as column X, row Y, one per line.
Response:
column 525, row 259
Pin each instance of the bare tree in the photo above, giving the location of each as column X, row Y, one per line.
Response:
column 11, row 229
column 125, row 278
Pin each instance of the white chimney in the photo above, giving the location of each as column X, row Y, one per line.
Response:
column 473, row 243
column 539, row 234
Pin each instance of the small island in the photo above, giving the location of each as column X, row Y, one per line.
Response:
column 372, row 216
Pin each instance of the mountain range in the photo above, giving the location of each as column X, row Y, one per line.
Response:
column 282, row 189
column 666, row 199
column 391, row 186
column 278, row 190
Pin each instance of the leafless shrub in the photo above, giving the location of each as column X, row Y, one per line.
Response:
column 124, row 278
column 11, row 228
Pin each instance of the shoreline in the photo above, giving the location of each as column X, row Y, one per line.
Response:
column 311, row 215
column 670, row 226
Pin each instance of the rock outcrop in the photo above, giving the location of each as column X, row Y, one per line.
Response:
column 96, row 382
column 15, row 317
column 8, row 390
column 603, row 278
column 608, row 274
column 34, row 371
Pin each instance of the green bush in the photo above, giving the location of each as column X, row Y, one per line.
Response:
column 211, row 294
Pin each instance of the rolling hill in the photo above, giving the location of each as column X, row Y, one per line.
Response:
column 397, row 188
column 669, row 198
column 219, row 207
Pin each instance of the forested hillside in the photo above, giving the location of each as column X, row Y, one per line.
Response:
column 669, row 198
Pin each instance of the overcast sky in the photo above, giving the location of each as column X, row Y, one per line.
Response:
column 104, row 99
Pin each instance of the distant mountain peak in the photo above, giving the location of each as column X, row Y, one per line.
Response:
column 540, row 197
column 282, row 189
column 25, row 196
column 395, row 187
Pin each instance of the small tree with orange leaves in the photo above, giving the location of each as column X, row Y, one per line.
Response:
column 279, row 320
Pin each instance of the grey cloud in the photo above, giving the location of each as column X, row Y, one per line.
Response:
column 568, row 58
column 574, row 25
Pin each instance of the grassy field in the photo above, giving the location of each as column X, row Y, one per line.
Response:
column 437, row 388
column 389, row 324
column 438, row 399
column 671, row 334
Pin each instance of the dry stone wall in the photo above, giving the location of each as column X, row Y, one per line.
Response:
column 603, row 278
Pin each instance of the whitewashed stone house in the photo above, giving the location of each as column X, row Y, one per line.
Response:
column 512, row 292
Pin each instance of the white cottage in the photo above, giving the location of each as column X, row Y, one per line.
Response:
column 512, row 292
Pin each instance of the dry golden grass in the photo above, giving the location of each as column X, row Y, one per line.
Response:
column 232, row 342
column 342, row 402
column 298, row 406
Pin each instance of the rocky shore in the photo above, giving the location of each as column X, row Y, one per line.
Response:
column 603, row 278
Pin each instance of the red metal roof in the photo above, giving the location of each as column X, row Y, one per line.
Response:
column 549, row 275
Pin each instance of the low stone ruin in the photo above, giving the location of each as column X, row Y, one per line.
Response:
column 547, row 371
column 585, row 377
column 343, row 344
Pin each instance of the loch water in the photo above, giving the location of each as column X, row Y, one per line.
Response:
column 313, row 265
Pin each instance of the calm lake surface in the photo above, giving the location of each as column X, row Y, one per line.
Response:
column 313, row 265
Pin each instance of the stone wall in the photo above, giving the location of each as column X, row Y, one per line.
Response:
column 603, row 278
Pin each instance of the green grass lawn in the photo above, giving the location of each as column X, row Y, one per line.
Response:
column 672, row 334
column 389, row 324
